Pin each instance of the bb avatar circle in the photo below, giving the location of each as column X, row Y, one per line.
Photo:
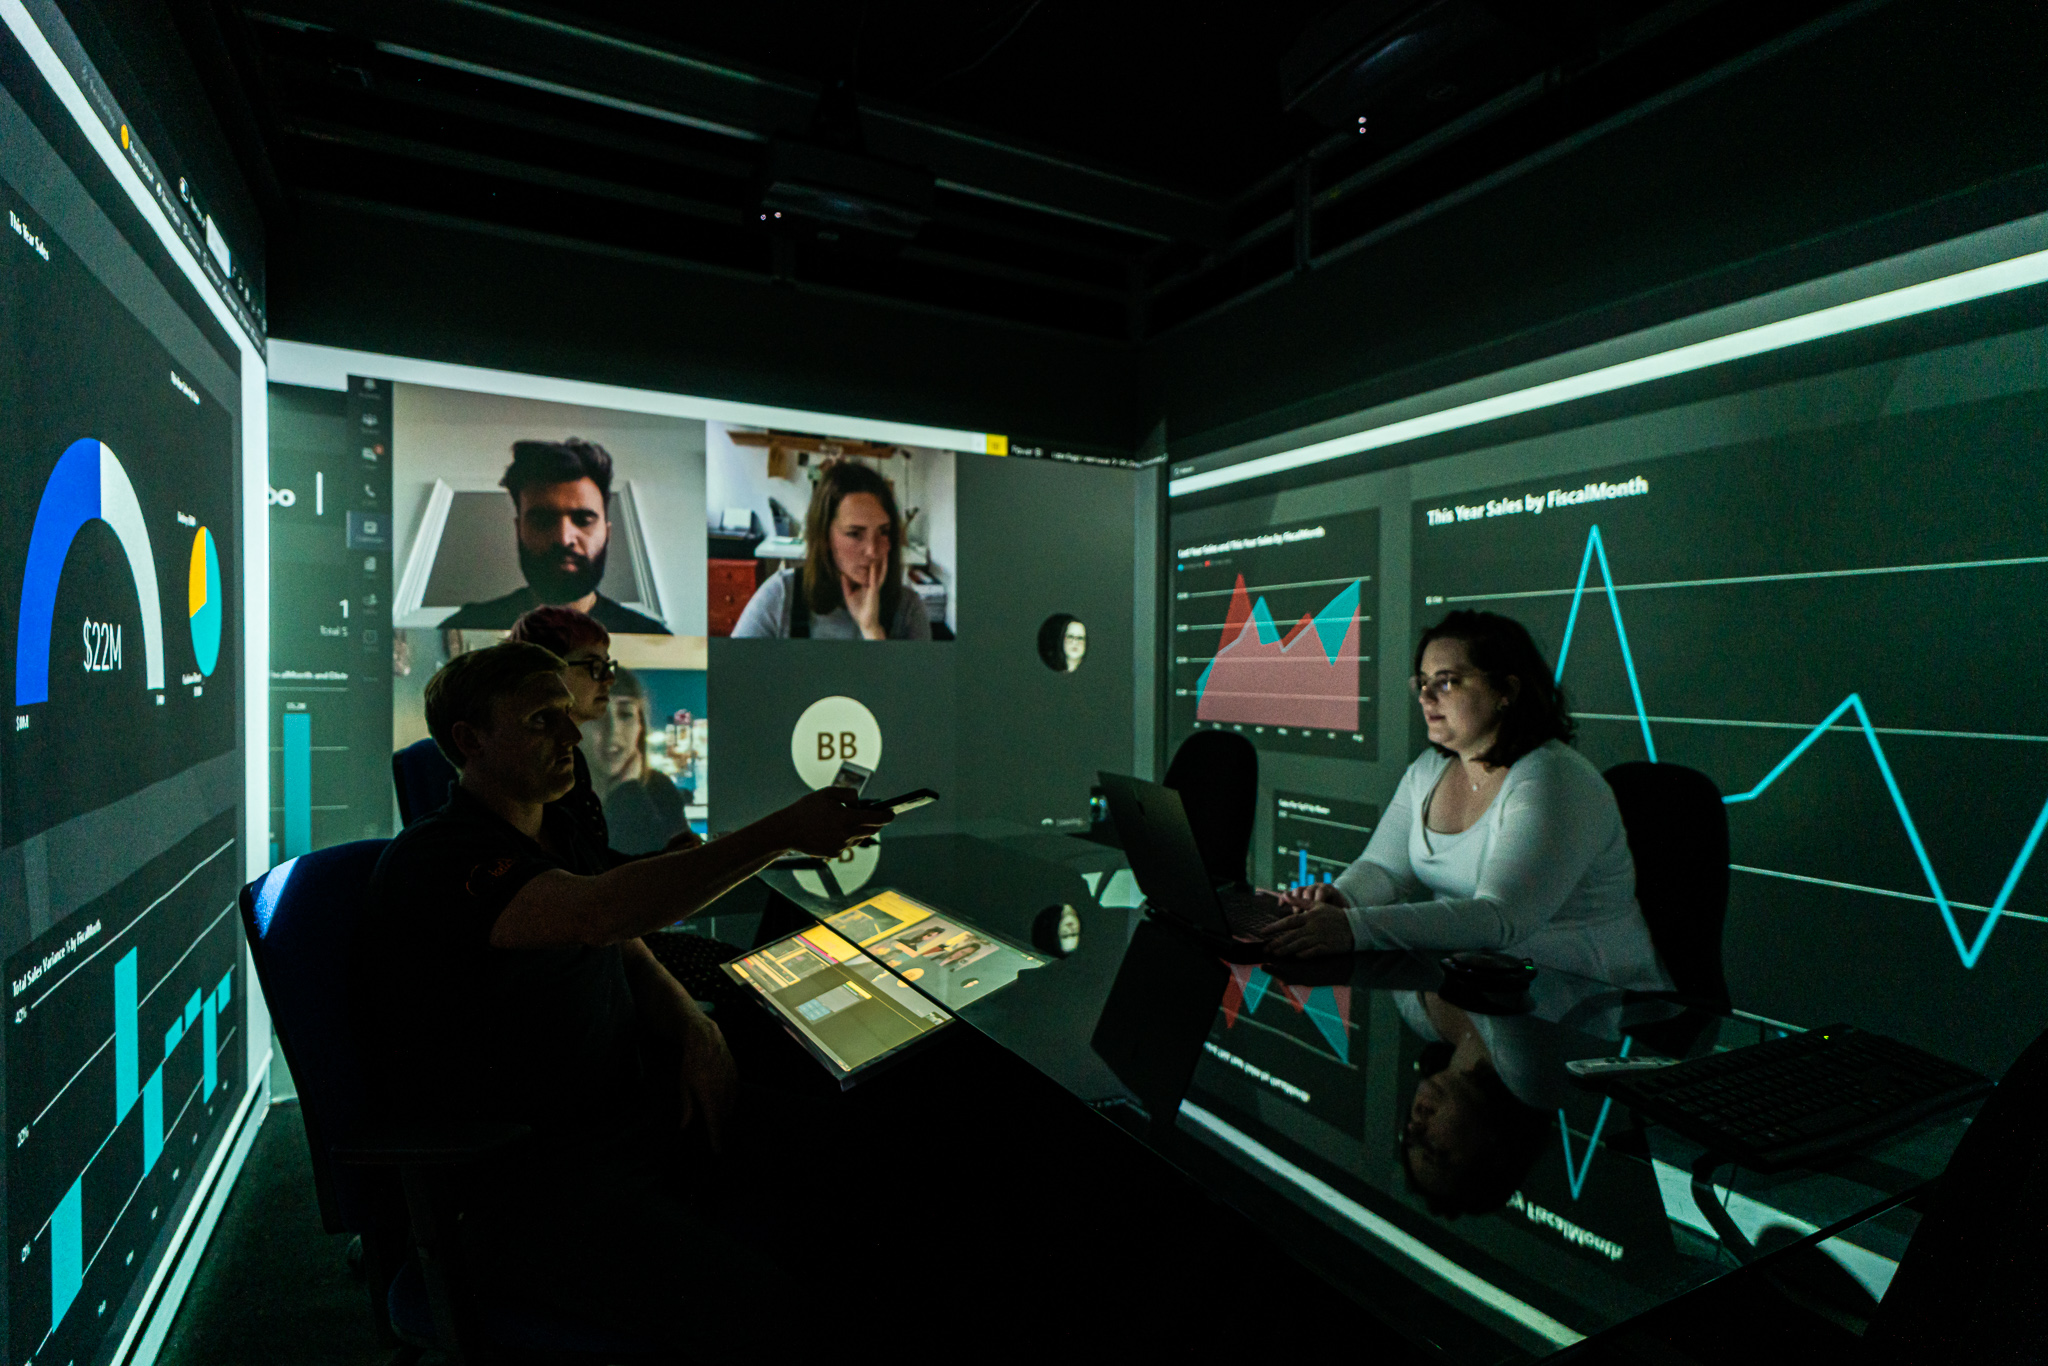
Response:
column 833, row 731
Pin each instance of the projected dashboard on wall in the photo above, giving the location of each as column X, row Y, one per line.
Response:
column 1800, row 617
column 118, row 556
column 1820, row 581
column 121, row 769
column 1275, row 634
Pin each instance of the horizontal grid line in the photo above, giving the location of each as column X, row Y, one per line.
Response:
column 109, row 940
column 1224, row 625
column 1192, row 660
column 2008, row 913
column 2011, row 562
column 1322, row 820
column 1272, row 587
column 1844, row 728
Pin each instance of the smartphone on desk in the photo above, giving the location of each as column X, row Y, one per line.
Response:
column 909, row 801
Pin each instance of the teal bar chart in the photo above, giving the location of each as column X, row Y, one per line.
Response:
column 298, row 783
column 127, row 1055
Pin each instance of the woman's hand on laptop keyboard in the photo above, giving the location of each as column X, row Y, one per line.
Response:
column 1311, row 895
column 1320, row 929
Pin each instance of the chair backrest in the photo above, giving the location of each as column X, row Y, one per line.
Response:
column 1678, row 835
column 1216, row 773
column 300, row 919
column 422, row 775
column 1969, row 1286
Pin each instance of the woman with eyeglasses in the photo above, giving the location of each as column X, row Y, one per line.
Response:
column 586, row 647
column 1500, row 836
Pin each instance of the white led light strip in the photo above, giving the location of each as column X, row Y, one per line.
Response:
column 1388, row 1234
column 328, row 367
column 2015, row 273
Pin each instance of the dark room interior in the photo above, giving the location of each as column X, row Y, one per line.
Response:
column 1420, row 801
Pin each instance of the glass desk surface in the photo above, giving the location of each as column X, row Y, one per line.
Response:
column 1301, row 1090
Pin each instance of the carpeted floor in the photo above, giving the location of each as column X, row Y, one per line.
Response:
column 273, row 1288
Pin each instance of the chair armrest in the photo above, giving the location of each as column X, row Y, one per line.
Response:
column 435, row 1145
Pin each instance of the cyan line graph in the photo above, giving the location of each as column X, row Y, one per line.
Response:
column 1968, row 950
column 1577, row 1177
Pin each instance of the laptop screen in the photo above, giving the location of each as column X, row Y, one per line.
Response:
column 1162, row 851
column 849, row 1010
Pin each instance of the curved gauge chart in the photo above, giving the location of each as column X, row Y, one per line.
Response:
column 203, row 600
column 89, row 483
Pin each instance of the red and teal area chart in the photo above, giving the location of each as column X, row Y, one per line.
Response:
column 1276, row 635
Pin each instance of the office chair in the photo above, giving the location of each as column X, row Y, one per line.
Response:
column 1678, row 837
column 422, row 775
column 1216, row 773
column 395, row 1189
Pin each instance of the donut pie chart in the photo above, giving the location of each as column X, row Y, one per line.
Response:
column 203, row 597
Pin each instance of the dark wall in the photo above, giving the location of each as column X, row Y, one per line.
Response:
column 347, row 276
column 1902, row 124
column 1895, row 125
column 164, row 63
column 1045, row 538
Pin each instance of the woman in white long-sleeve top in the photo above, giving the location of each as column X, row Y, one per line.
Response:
column 1500, row 836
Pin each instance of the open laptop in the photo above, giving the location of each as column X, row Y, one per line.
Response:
column 1167, row 863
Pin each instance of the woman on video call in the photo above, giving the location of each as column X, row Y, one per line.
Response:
column 630, row 806
column 642, row 806
column 1500, row 835
column 851, row 583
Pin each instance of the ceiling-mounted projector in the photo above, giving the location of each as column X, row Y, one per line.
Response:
column 846, row 189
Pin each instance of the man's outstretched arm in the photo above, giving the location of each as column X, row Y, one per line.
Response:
column 560, row 908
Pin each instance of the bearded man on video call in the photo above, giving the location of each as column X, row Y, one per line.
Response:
column 559, row 490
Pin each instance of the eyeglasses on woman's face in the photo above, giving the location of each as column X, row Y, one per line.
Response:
column 1440, row 684
column 600, row 669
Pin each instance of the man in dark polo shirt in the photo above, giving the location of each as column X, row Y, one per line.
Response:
column 498, row 974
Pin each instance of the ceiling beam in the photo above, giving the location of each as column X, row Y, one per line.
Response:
column 524, row 172
column 660, row 82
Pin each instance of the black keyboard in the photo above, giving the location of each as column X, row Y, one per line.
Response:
column 693, row 960
column 1247, row 912
column 1787, row 1102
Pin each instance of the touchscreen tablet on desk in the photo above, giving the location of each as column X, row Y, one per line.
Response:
column 951, row 961
column 847, row 1010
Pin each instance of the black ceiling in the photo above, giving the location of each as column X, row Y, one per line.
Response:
column 1107, row 170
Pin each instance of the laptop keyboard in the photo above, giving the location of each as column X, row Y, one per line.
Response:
column 693, row 960
column 1787, row 1101
column 1247, row 912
